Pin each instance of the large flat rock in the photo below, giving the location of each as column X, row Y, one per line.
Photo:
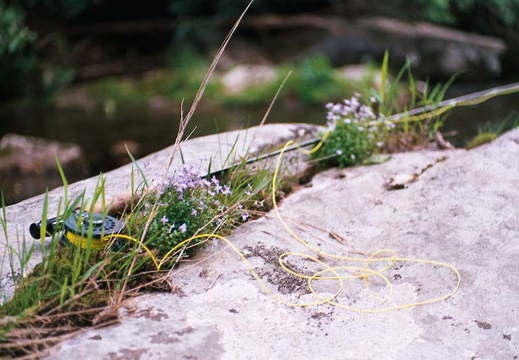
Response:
column 459, row 207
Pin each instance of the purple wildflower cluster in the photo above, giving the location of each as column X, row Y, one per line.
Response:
column 187, row 177
column 356, row 131
column 187, row 202
column 352, row 111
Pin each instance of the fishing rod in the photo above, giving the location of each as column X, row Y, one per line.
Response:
column 415, row 115
column 465, row 100
column 77, row 226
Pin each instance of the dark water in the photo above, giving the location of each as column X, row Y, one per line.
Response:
column 97, row 133
column 468, row 120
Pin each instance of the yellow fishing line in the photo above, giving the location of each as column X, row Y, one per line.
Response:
column 328, row 272
column 314, row 149
column 373, row 258
column 420, row 117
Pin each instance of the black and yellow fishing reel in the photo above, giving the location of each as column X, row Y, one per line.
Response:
column 92, row 231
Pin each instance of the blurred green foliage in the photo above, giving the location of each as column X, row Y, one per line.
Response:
column 16, row 55
column 33, row 48
column 504, row 11
column 490, row 17
column 22, row 69
column 179, row 82
column 61, row 8
column 312, row 81
column 15, row 36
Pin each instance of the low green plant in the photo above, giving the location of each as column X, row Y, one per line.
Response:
column 358, row 130
column 389, row 100
column 489, row 132
column 71, row 284
column 480, row 139
column 190, row 203
column 355, row 132
column 61, row 273
column 184, row 205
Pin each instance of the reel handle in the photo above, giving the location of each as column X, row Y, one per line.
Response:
column 35, row 228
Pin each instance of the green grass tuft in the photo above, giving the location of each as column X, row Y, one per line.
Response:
column 481, row 139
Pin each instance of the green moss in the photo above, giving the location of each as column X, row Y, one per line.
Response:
column 47, row 279
column 481, row 139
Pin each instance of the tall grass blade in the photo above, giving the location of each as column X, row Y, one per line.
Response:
column 136, row 164
column 383, row 77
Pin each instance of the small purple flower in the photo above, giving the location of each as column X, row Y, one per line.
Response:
column 183, row 228
column 164, row 220
column 226, row 190
column 194, row 212
column 351, row 111
column 204, row 183
column 181, row 187
column 203, row 206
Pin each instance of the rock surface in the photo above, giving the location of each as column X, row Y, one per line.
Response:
column 28, row 165
column 454, row 206
column 241, row 77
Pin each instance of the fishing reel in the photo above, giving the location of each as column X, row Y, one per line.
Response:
column 81, row 229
